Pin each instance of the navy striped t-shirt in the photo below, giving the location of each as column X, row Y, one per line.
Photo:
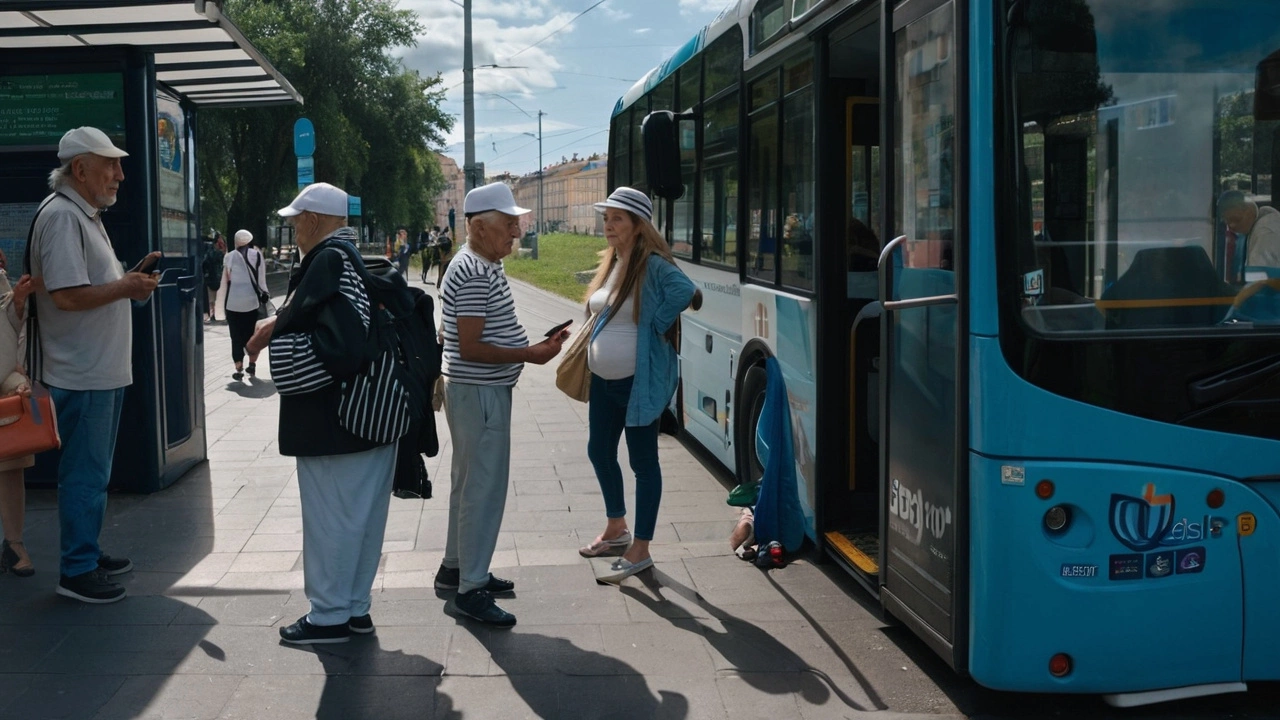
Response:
column 475, row 287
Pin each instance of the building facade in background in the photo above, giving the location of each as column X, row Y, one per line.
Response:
column 570, row 190
column 455, row 186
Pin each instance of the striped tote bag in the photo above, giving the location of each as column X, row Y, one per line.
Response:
column 373, row 403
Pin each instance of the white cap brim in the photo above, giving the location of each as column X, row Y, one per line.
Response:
column 289, row 211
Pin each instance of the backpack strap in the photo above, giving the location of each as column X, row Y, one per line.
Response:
column 35, row 358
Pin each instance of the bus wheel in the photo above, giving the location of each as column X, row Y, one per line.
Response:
column 750, row 406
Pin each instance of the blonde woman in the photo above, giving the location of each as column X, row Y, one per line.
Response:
column 13, row 553
column 638, row 293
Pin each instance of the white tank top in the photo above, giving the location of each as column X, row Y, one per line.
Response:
column 612, row 354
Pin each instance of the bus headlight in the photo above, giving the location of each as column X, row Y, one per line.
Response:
column 1056, row 518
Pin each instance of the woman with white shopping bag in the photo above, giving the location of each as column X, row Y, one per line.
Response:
column 244, row 282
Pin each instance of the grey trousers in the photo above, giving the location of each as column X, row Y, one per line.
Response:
column 480, row 428
column 345, row 500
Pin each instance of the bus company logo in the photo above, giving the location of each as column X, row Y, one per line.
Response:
column 1149, row 522
column 910, row 515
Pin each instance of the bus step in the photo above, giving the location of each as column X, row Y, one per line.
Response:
column 862, row 549
column 1136, row 699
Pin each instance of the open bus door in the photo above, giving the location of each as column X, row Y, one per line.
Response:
column 923, row 568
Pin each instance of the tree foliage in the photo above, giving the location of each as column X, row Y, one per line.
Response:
column 375, row 120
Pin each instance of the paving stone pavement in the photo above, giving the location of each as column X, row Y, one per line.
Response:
column 218, row 568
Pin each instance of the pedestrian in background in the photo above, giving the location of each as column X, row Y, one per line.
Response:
column 215, row 250
column 403, row 252
column 244, row 278
column 485, row 349
column 444, row 253
column 317, row 342
column 14, row 558
column 638, row 294
column 85, row 345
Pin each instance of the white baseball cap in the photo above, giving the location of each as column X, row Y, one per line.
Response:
column 319, row 198
column 494, row 196
column 84, row 140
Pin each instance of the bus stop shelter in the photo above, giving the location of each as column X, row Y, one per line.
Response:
column 140, row 70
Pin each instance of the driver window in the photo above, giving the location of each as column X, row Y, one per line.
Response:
column 1144, row 182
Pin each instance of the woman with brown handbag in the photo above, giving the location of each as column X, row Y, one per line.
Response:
column 13, row 300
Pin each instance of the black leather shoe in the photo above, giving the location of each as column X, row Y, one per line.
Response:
column 91, row 587
column 479, row 605
column 449, row 579
column 304, row 633
column 362, row 624
column 114, row 565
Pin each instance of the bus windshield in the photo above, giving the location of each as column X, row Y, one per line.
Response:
column 1144, row 167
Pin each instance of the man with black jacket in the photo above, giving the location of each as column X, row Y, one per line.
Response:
column 344, row 481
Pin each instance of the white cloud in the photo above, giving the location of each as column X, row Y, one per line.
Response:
column 703, row 7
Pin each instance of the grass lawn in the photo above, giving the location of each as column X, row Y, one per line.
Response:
column 560, row 255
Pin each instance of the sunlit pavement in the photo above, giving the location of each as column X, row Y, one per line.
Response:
column 218, row 568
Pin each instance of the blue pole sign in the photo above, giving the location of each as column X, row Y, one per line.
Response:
column 353, row 205
column 304, row 138
column 306, row 171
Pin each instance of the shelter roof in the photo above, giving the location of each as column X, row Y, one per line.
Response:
column 199, row 52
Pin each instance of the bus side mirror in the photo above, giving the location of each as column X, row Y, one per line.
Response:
column 662, row 154
column 1266, row 96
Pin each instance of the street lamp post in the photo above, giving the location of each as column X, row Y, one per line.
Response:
column 468, row 102
column 541, row 225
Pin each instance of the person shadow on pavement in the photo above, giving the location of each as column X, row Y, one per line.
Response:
column 763, row 661
column 363, row 680
column 557, row 679
column 255, row 388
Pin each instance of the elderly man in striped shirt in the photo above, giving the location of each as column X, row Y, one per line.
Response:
column 484, row 350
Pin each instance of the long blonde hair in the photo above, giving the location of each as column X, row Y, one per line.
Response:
column 648, row 242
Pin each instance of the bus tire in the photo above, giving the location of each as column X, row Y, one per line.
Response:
column 749, row 407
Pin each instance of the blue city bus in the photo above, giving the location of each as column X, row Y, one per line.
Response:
column 1033, row 376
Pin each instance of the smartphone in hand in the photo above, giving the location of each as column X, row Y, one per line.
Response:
column 148, row 263
column 556, row 330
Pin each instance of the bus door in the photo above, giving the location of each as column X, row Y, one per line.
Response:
column 922, row 576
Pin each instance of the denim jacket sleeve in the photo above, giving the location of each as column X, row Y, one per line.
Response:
column 667, row 292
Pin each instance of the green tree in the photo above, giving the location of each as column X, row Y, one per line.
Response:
column 375, row 120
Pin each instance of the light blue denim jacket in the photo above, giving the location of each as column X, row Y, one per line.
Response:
column 666, row 293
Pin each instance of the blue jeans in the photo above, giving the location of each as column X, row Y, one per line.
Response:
column 87, row 421
column 607, row 416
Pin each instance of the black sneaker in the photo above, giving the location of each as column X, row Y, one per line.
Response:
column 91, row 587
column 252, row 369
column 362, row 624
column 449, row 579
column 304, row 633
column 114, row 565
column 479, row 605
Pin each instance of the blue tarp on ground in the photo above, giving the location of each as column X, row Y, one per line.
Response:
column 778, row 514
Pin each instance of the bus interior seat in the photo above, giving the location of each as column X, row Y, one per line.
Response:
column 1168, row 273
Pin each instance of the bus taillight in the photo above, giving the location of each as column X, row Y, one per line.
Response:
column 1044, row 489
column 1060, row 665
column 1216, row 498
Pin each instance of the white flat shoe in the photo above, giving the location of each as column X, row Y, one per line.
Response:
column 623, row 569
column 607, row 548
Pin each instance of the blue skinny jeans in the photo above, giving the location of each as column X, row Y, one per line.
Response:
column 607, row 416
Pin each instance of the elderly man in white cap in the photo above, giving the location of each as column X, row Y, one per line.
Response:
column 83, row 350
column 484, row 350
column 344, row 481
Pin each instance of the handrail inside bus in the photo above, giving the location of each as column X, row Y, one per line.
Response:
column 884, row 252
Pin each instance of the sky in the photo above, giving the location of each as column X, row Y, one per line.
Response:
column 573, row 72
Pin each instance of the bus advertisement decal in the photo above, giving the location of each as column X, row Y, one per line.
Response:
column 1127, row 566
column 1160, row 564
column 1190, row 560
column 1149, row 522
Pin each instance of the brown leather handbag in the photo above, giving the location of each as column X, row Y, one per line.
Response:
column 573, row 377
column 28, row 425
